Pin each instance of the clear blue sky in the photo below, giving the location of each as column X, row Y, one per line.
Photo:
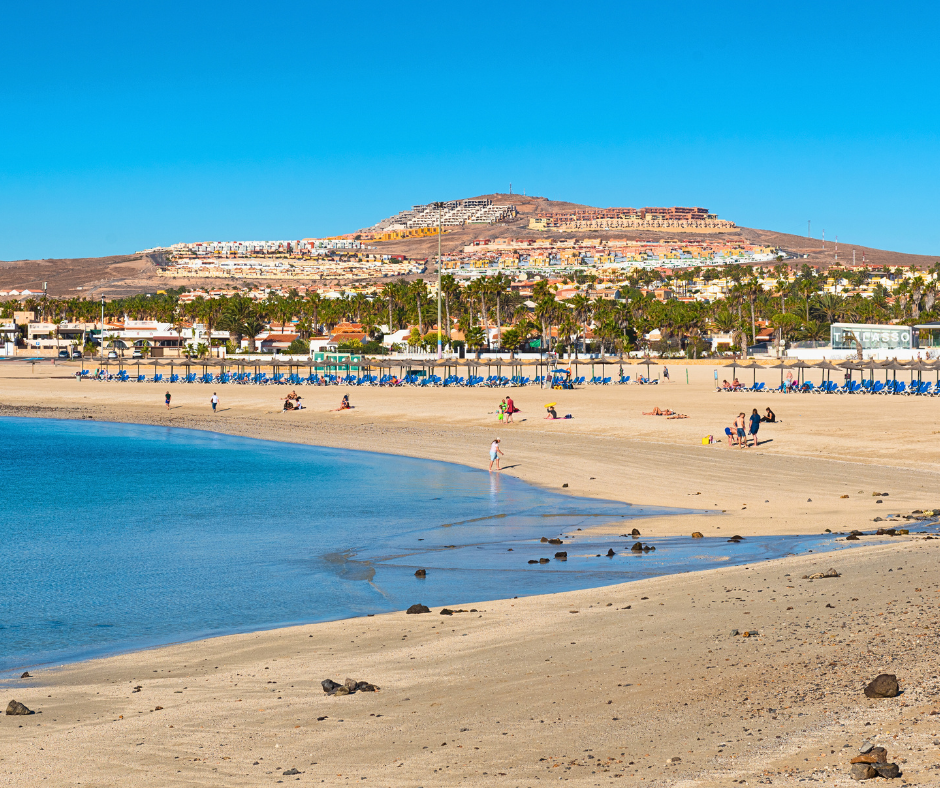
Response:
column 129, row 125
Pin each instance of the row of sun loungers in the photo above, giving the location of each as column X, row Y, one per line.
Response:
column 915, row 388
column 421, row 381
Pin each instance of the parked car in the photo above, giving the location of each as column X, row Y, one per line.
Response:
column 112, row 354
column 76, row 353
column 64, row 354
column 137, row 353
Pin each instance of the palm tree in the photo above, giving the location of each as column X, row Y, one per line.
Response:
column 498, row 286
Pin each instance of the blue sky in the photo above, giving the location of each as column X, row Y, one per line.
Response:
column 128, row 125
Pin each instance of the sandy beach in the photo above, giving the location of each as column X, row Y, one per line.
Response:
column 580, row 687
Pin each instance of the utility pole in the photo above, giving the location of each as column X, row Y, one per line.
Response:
column 837, row 247
column 853, row 258
column 809, row 232
column 824, row 238
column 102, row 330
column 440, row 214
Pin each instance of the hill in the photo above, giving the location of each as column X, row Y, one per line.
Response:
column 128, row 274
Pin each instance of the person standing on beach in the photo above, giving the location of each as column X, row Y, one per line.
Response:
column 665, row 373
column 740, row 431
column 510, row 409
column 215, row 401
column 168, row 400
column 495, row 452
column 755, row 425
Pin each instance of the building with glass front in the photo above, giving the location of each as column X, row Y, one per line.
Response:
column 873, row 337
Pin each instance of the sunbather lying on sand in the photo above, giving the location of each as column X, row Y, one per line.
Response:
column 657, row 412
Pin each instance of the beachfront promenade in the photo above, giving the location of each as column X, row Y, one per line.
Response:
column 641, row 673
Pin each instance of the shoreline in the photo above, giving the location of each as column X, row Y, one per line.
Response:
column 527, row 689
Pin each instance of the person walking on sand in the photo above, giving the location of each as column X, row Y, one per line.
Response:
column 168, row 400
column 510, row 409
column 665, row 373
column 215, row 401
column 495, row 452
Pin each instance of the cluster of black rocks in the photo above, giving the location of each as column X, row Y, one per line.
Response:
column 873, row 762
column 348, row 687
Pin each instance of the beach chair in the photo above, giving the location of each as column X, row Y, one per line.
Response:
column 624, row 379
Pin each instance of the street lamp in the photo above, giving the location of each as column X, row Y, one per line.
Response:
column 440, row 212
column 101, row 335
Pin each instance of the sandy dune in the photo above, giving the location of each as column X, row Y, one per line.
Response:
column 525, row 690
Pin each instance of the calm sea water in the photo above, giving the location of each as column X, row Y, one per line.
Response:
column 117, row 536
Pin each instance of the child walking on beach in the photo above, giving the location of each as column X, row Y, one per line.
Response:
column 495, row 452
column 168, row 400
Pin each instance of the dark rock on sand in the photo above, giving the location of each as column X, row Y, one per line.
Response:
column 851, row 538
column 736, row 538
column 555, row 541
column 419, row 608
column 25, row 675
column 611, row 553
column 889, row 770
column 697, row 535
column 446, row 611
column 874, row 755
column 884, row 686
column 862, row 771
column 290, row 772
column 421, row 573
column 351, row 684
column 637, row 547
column 365, row 686
column 562, row 556
column 635, row 532
column 15, row 708
column 329, row 686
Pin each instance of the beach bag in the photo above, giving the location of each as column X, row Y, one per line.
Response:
column 708, row 439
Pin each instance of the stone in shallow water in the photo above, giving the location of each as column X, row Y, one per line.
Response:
column 419, row 608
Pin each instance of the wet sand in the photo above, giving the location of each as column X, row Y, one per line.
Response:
column 536, row 688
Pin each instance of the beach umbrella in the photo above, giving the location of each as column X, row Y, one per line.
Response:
column 649, row 363
column 782, row 365
column 828, row 367
column 753, row 365
column 801, row 365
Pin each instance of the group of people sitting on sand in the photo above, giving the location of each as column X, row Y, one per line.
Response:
column 292, row 401
column 734, row 385
column 669, row 414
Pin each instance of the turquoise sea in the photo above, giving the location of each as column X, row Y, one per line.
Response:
column 118, row 536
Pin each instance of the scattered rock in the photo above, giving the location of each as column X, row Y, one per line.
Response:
column 562, row 556
column 350, row 684
column 421, row 573
column 637, row 547
column 565, row 484
column 884, row 686
column 611, row 553
column 15, row 708
column 419, row 608
column 843, row 496
column 555, row 541
column 544, row 560
column 878, row 520
column 866, row 747
column 809, row 500
column 341, row 690
column 329, row 686
column 736, row 538
column 851, row 538
column 855, row 532
column 446, row 611
column 862, row 771
column 290, row 772
column 822, row 575
column 533, row 561
column 734, row 633
column 674, row 759
column 544, row 540
column 888, row 770
column 697, row 535
column 635, row 532
column 25, row 675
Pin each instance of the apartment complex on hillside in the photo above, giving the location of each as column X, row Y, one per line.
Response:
column 677, row 217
